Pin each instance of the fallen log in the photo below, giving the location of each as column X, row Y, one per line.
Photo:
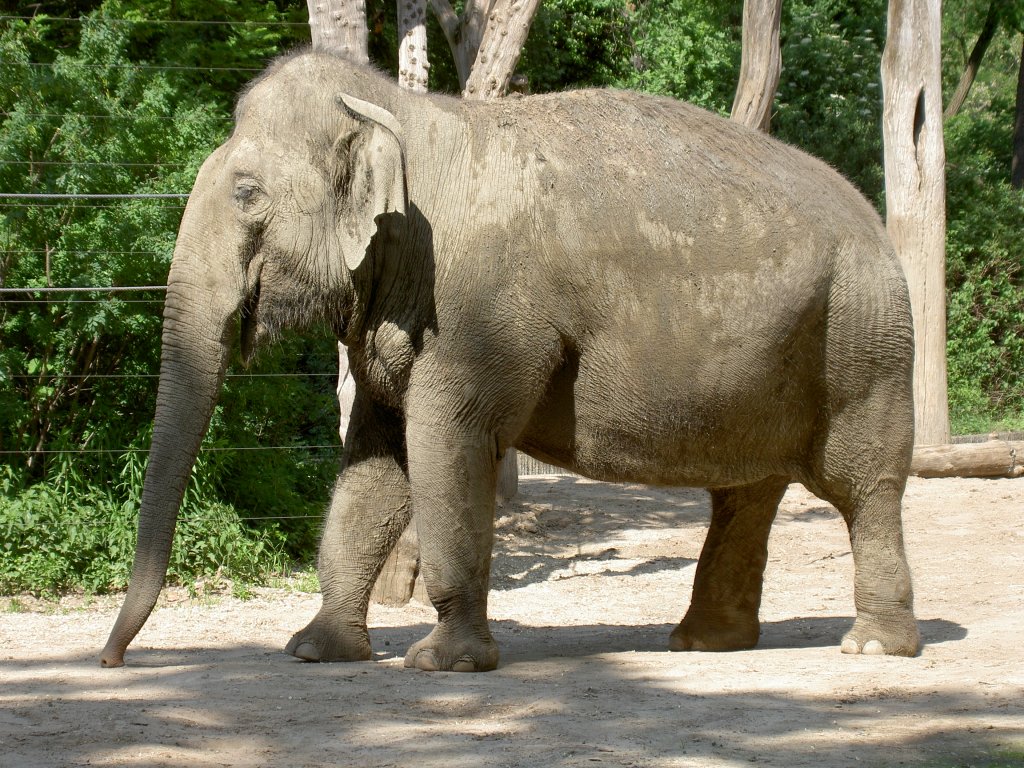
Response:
column 993, row 458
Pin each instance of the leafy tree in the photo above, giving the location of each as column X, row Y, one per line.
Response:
column 116, row 106
column 86, row 123
column 578, row 43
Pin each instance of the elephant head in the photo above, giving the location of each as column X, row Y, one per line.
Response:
column 280, row 216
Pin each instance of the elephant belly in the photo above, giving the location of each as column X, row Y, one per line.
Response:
column 683, row 424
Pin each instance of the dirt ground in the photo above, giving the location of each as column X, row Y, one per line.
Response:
column 589, row 579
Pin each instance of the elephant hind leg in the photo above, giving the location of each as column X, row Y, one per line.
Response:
column 883, row 594
column 370, row 509
column 723, row 612
column 863, row 469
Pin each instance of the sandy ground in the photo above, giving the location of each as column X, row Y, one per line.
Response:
column 589, row 580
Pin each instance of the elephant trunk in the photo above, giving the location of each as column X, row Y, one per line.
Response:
column 199, row 320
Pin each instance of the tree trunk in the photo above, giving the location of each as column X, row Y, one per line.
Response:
column 508, row 477
column 761, row 64
column 486, row 41
column 339, row 26
column 1017, row 164
column 465, row 33
column 346, row 391
column 988, row 30
column 504, row 30
column 507, row 27
column 413, row 65
column 397, row 581
column 915, row 195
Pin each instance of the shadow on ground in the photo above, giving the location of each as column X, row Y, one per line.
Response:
column 199, row 703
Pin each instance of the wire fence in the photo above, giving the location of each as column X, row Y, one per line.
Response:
column 31, row 193
column 19, row 202
column 62, row 205
column 91, row 196
column 167, row 22
column 54, row 376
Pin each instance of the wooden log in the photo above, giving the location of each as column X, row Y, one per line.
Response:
column 993, row 458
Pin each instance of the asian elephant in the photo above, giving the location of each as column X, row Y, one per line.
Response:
column 619, row 284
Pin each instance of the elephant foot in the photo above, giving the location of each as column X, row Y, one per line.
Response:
column 715, row 630
column 323, row 640
column 891, row 636
column 443, row 650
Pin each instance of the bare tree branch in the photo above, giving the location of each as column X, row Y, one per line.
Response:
column 462, row 32
column 507, row 28
column 988, row 30
column 1017, row 164
column 486, row 42
column 448, row 20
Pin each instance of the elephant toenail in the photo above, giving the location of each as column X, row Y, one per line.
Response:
column 307, row 652
column 464, row 664
column 425, row 660
column 873, row 648
column 850, row 646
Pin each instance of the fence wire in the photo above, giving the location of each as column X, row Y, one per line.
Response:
column 50, row 115
column 58, row 376
column 15, row 203
column 164, row 22
column 91, row 196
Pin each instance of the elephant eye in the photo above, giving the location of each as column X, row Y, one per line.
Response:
column 248, row 196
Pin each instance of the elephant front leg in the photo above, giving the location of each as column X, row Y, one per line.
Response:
column 453, row 479
column 723, row 613
column 369, row 510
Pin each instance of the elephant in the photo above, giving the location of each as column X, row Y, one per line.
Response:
column 623, row 285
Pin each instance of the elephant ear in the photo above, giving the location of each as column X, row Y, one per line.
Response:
column 370, row 177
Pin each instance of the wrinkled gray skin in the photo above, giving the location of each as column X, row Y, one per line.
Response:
column 622, row 285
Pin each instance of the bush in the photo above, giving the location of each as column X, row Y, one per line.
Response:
column 985, row 273
column 84, row 538
column 685, row 49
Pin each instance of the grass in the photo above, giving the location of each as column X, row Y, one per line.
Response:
column 14, row 605
column 302, row 580
column 973, row 424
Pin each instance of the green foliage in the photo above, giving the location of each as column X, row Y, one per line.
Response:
column 115, row 107
column 286, row 489
column 89, row 122
column 984, row 248
column 985, row 272
column 122, row 103
column 83, row 537
column 687, row 49
column 829, row 100
column 578, row 43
